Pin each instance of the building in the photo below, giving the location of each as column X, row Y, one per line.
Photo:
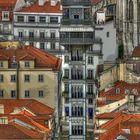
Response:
column 38, row 24
column 81, row 59
column 26, row 119
column 127, row 23
column 118, row 126
column 6, row 17
column 105, row 29
column 30, row 73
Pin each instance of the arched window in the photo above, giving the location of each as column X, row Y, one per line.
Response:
column 131, row 10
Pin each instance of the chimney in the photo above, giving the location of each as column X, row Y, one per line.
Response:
column 53, row 2
column 41, row 2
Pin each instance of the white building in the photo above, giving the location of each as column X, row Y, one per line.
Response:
column 79, row 69
column 6, row 17
column 38, row 24
column 106, row 30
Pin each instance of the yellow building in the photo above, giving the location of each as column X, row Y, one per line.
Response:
column 29, row 73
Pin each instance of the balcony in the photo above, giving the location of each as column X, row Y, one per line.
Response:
column 36, row 39
column 90, row 79
column 77, row 77
column 65, row 93
column 76, row 2
column 6, row 32
column 90, row 94
column 73, row 21
column 76, row 41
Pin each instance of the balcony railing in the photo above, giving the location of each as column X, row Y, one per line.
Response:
column 76, row 2
column 35, row 38
column 77, row 77
column 5, row 32
column 73, row 21
column 66, row 41
column 76, row 58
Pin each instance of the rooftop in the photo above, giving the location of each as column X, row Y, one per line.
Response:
column 24, row 119
column 46, row 8
column 42, row 58
column 124, row 124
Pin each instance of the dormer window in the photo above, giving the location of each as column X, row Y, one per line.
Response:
column 1, row 64
column 5, row 15
column 117, row 90
column 27, row 64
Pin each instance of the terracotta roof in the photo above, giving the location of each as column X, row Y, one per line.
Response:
column 33, row 105
column 42, row 58
column 120, row 125
column 96, row 1
column 11, row 132
column 136, row 52
column 7, row 5
column 111, row 95
column 110, row 115
column 46, row 8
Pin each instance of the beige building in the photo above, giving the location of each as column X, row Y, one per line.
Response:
column 29, row 73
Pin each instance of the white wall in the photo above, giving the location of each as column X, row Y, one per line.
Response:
column 110, row 51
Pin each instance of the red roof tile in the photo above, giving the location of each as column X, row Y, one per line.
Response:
column 96, row 1
column 46, row 8
column 33, row 105
column 136, row 52
column 42, row 58
column 119, row 124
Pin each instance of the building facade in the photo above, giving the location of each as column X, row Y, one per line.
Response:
column 6, row 17
column 38, row 24
column 29, row 73
column 80, row 60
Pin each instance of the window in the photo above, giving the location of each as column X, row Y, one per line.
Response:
column 1, row 93
column 40, row 93
column 77, row 130
column 20, row 18
column 20, row 34
column 1, row 64
column 107, row 34
column 66, row 100
column 40, row 78
column 1, row 78
column 52, row 34
column 90, row 113
column 66, row 111
column 66, row 86
column 90, row 88
column 90, row 101
column 31, row 19
column 27, row 64
column 31, row 34
column 66, row 59
column 13, row 78
column 53, row 19
column 42, row 19
column 90, row 60
column 26, row 78
column 42, row 35
column 13, row 93
column 76, row 16
column 77, row 111
column 5, row 15
column 90, row 74
column 27, row 93
column 31, row 43
column 66, row 73
column 42, row 45
column 52, row 45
